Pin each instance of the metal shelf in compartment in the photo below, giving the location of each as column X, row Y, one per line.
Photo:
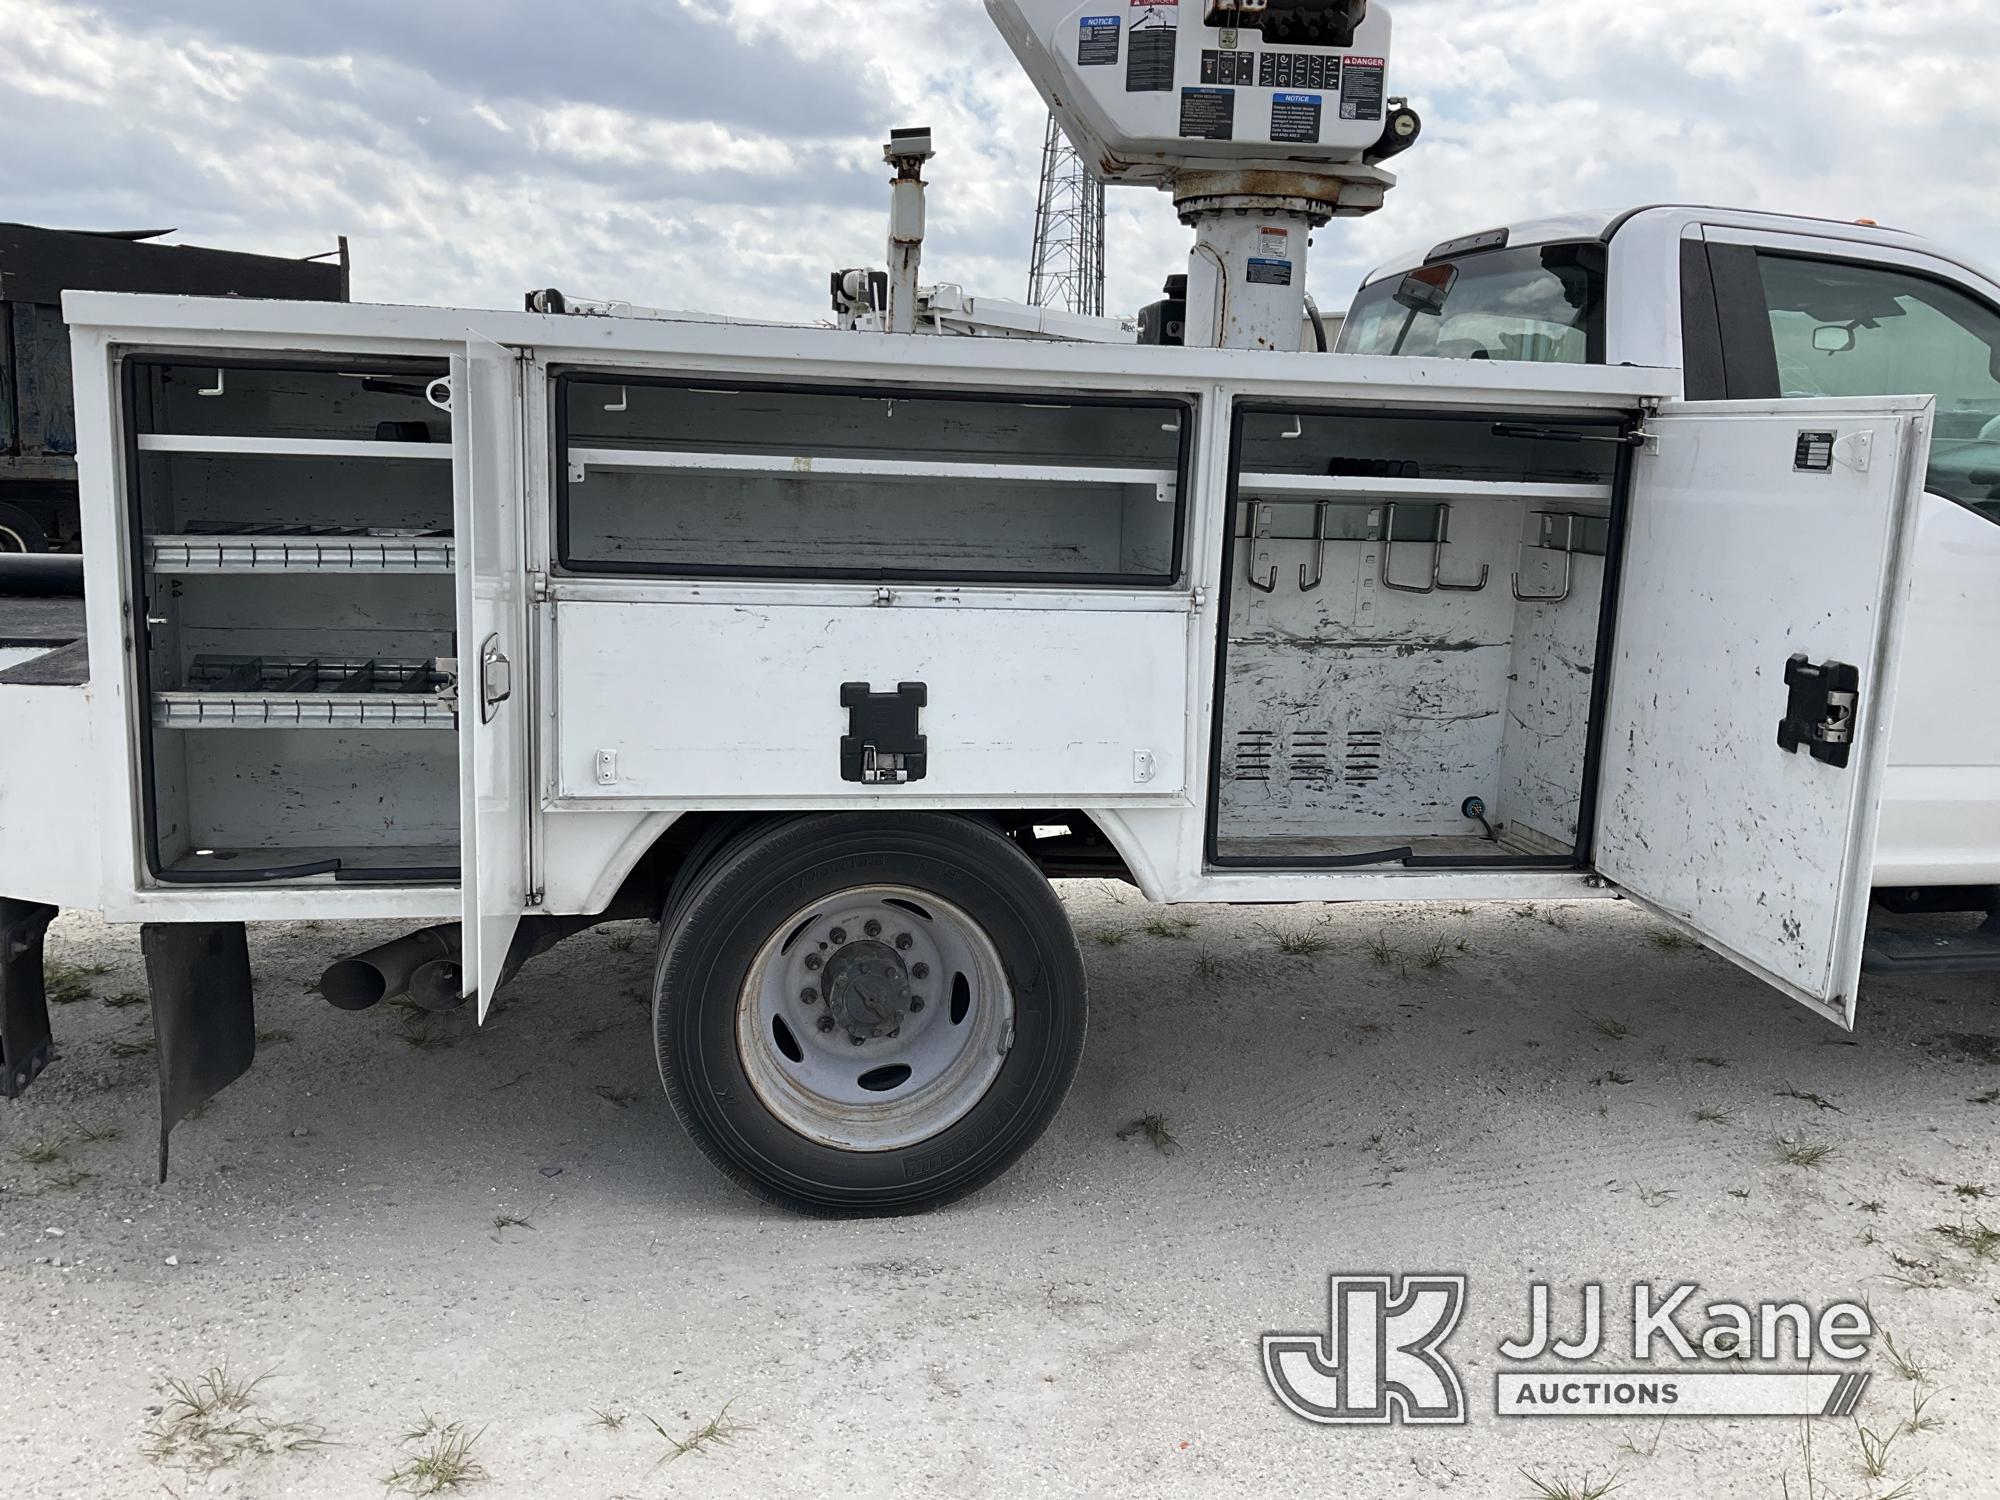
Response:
column 317, row 692
column 301, row 549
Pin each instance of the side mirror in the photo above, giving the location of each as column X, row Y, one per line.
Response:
column 1833, row 338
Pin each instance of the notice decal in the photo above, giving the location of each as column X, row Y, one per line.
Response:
column 1097, row 41
column 1208, row 114
column 1295, row 117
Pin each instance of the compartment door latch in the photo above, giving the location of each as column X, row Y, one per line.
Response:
column 496, row 678
column 1819, row 716
column 882, row 746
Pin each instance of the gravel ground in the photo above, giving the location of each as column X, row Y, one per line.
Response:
column 393, row 1222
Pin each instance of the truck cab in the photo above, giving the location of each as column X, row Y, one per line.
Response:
column 1752, row 307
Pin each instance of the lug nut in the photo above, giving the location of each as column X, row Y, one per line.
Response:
column 903, row 941
column 916, row 1004
column 809, row 995
column 897, row 1032
column 838, row 935
column 920, row 971
column 813, row 962
column 856, row 1037
column 826, row 1023
column 872, row 927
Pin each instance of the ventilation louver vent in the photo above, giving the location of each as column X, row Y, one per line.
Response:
column 1255, row 749
column 1364, row 756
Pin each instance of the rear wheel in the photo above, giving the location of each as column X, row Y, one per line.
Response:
column 868, row 1014
column 20, row 532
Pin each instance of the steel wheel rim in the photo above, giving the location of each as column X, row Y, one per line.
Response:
column 12, row 540
column 916, row 977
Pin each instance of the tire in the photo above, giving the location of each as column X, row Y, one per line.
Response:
column 20, row 532
column 952, row 1078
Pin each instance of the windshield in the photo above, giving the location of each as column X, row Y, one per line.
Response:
column 1543, row 304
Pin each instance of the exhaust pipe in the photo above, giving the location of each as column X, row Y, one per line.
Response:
column 429, row 965
column 437, row 984
column 382, row 973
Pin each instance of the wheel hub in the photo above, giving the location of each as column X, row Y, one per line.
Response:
column 867, row 989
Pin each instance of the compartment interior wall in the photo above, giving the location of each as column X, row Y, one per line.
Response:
column 234, row 800
column 359, row 795
column 202, row 491
column 1357, row 718
column 804, row 519
column 321, row 401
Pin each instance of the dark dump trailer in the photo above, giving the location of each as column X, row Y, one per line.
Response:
column 38, row 499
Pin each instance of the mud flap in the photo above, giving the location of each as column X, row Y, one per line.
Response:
column 204, row 1026
column 26, row 1046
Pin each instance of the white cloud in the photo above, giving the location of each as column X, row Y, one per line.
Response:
column 727, row 155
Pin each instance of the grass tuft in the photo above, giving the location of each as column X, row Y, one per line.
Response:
column 1976, row 1239
column 1176, row 928
column 66, row 984
column 1155, row 1128
column 1713, row 1062
column 1586, row 1488
column 1109, row 937
column 1436, row 956
column 716, row 1431
column 1711, row 1115
column 1301, row 942
column 1817, row 1101
column 1797, row 1151
column 510, row 1221
column 610, row 1421
column 122, row 1000
column 271, row 1036
column 1874, row 1448
column 442, row 1462
column 1206, row 966
column 138, row 1046
column 39, row 1154
column 207, row 1424
column 1667, row 939
column 1608, row 1026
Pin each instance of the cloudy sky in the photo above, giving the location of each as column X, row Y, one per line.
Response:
column 727, row 155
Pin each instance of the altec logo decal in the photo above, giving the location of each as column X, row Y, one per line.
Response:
column 1382, row 1357
column 1379, row 1362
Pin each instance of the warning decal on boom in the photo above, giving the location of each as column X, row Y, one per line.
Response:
column 1149, row 60
column 1208, row 114
column 1362, row 88
column 1097, row 41
column 1295, row 117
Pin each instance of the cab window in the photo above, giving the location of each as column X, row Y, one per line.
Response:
column 1541, row 304
column 1841, row 328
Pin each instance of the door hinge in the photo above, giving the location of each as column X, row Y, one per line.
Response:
column 1820, row 712
column 538, row 586
column 1198, row 601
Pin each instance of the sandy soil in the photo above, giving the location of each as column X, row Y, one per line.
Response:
column 1090, row 1324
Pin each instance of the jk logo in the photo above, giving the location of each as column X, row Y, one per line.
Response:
column 1379, row 1361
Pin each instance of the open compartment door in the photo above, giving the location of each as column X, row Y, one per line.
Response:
column 493, row 786
column 1757, row 534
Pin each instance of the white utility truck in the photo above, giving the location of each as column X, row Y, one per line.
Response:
column 827, row 648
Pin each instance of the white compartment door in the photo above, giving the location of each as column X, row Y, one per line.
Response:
column 1759, row 532
column 493, row 787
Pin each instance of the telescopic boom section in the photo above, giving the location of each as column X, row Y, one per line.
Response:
column 1264, row 119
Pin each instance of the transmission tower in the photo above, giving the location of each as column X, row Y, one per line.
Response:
column 1066, row 266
